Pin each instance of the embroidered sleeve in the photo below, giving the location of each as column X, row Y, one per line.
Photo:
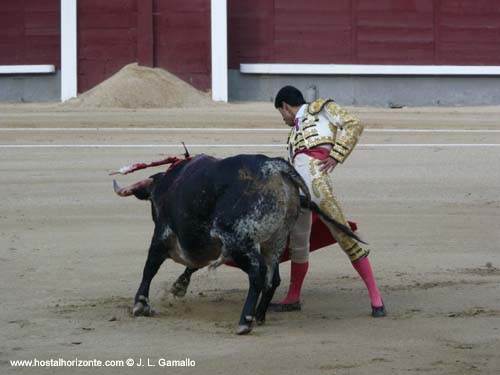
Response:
column 349, row 131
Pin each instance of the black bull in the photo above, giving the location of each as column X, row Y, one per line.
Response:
column 210, row 211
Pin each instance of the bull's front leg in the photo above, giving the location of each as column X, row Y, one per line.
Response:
column 179, row 288
column 156, row 256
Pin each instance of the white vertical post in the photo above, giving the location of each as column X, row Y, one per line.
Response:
column 69, row 73
column 219, row 49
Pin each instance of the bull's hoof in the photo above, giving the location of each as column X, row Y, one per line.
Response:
column 244, row 329
column 179, row 288
column 142, row 308
column 260, row 320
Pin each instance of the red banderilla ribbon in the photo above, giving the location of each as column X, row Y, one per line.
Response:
column 137, row 166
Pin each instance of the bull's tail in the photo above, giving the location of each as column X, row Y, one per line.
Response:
column 297, row 180
column 291, row 173
column 341, row 227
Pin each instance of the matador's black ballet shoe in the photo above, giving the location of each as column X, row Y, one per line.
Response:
column 379, row 311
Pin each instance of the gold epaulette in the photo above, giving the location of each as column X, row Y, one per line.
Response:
column 316, row 106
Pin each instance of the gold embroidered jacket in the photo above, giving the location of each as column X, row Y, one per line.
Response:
column 325, row 122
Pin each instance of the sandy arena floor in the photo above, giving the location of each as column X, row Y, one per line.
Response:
column 72, row 253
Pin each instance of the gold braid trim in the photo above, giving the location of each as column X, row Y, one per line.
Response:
column 321, row 141
column 316, row 106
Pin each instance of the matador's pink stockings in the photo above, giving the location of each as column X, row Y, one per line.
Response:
column 365, row 271
column 297, row 275
column 362, row 266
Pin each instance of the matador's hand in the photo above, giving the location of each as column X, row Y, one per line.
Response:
column 327, row 165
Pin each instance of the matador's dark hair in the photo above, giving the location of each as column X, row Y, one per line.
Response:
column 289, row 95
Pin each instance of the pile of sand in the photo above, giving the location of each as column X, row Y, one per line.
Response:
column 141, row 87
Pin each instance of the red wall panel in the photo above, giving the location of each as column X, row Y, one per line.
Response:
column 316, row 31
column 30, row 32
column 107, row 39
column 145, row 33
column 171, row 34
column 395, row 32
column 289, row 31
column 250, row 32
column 469, row 32
column 465, row 32
column 182, row 40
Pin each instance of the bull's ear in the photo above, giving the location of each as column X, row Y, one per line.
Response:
column 141, row 189
column 143, row 193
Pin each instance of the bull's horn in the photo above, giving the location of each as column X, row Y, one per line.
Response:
column 129, row 190
column 121, row 191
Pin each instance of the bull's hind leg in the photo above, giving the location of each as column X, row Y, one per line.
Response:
column 271, row 251
column 156, row 256
column 179, row 288
column 268, row 293
column 249, row 260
